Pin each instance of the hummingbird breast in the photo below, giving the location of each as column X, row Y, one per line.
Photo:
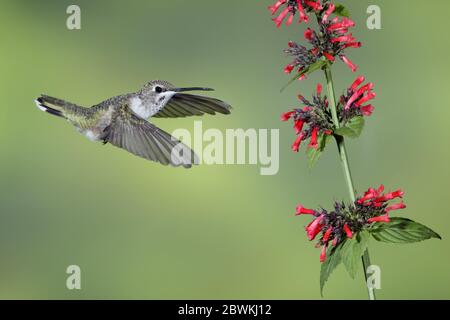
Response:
column 140, row 108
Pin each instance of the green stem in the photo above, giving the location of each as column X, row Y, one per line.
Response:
column 345, row 165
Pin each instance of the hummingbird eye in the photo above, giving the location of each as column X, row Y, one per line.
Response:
column 158, row 89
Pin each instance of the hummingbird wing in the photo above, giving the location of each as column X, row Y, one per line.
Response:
column 141, row 138
column 186, row 105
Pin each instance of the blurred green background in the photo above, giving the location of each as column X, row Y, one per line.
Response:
column 141, row 230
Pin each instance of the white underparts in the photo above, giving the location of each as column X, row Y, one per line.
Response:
column 91, row 135
column 147, row 109
column 139, row 108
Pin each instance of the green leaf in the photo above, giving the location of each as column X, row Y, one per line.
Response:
column 352, row 129
column 308, row 70
column 353, row 250
column 316, row 66
column 341, row 11
column 314, row 154
column 402, row 230
column 328, row 266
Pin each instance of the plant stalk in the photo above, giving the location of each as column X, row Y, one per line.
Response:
column 345, row 165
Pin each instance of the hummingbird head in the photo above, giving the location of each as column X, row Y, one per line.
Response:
column 159, row 92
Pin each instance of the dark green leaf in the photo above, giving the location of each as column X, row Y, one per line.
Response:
column 314, row 154
column 352, row 251
column 402, row 230
column 352, row 129
column 328, row 266
column 308, row 70
column 341, row 11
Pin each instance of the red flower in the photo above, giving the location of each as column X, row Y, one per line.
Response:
column 311, row 115
column 371, row 194
column 365, row 88
column 298, row 141
column 274, row 8
column 347, row 231
column 396, row 206
column 302, row 13
column 287, row 115
column 288, row 69
column 369, row 96
column 343, row 25
column 356, row 97
column 329, row 41
column 384, row 218
column 345, row 221
column 367, row 110
column 358, row 93
column 313, row 229
column 319, row 89
column 323, row 254
column 293, row 7
column 347, row 38
column 315, row 5
column 358, row 81
column 350, row 64
column 327, row 235
column 377, row 200
column 279, row 20
column 390, row 196
column 302, row 210
column 328, row 13
column 308, row 34
column 354, row 45
column 298, row 126
column 329, row 56
column 313, row 142
column 290, row 19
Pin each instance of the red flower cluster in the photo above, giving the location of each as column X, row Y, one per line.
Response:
column 353, row 102
column 375, row 199
column 330, row 41
column 303, row 58
column 337, row 33
column 316, row 115
column 303, row 7
column 345, row 221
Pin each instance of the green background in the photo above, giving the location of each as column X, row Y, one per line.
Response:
column 141, row 230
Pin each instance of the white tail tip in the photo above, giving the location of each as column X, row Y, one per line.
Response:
column 40, row 106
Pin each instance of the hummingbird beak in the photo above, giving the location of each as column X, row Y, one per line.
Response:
column 192, row 89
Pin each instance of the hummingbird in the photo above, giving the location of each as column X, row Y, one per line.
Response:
column 123, row 120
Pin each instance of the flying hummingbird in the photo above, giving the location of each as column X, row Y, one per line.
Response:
column 122, row 120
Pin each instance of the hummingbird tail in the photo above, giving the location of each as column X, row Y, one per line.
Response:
column 50, row 105
column 56, row 107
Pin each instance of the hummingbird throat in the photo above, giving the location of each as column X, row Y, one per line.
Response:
column 145, row 107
